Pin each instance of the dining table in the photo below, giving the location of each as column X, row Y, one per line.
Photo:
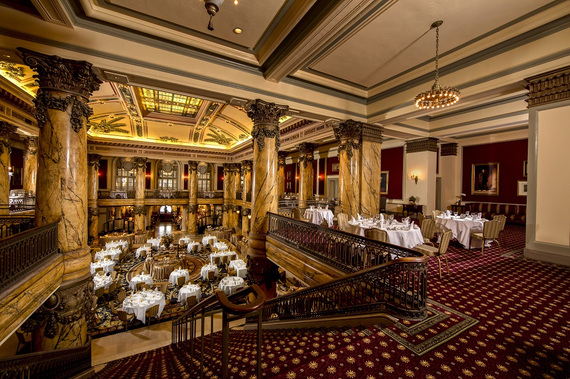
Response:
column 121, row 244
column 194, row 247
column 189, row 290
column 221, row 254
column 162, row 267
column 101, row 281
column 240, row 266
column 209, row 267
column 142, row 277
column 178, row 273
column 185, row 240
column 461, row 227
column 139, row 302
column 230, row 284
column 148, row 249
column 209, row 240
column 154, row 242
column 115, row 253
column 401, row 234
column 317, row 215
column 107, row 265
column 220, row 246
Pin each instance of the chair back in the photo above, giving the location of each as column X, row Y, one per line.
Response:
column 123, row 316
column 491, row 229
column 502, row 219
column 152, row 311
column 112, row 287
column 211, row 275
column 444, row 243
column 190, row 301
column 122, row 296
column 146, row 286
column 181, row 280
column 107, row 257
column 428, row 228
column 376, row 234
column 139, row 286
column 297, row 214
column 114, row 275
column 343, row 222
column 435, row 213
column 99, row 292
column 421, row 218
column 142, row 254
column 216, row 259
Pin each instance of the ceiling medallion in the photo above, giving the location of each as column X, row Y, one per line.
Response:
column 437, row 97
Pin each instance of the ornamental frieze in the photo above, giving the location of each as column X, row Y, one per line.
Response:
column 550, row 87
column 349, row 135
column 422, row 144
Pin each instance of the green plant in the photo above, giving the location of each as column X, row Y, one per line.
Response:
column 413, row 199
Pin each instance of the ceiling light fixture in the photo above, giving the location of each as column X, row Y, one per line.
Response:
column 437, row 97
column 212, row 6
column 238, row 30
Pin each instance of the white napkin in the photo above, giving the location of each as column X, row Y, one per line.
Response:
column 353, row 219
column 411, row 226
column 359, row 216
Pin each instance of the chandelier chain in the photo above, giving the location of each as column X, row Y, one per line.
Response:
column 437, row 54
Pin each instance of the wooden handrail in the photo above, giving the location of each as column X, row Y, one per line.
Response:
column 242, row 308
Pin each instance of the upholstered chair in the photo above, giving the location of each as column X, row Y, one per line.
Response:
column 376, row 234
column 428, row 230
column 437, row 251
column 491, row 230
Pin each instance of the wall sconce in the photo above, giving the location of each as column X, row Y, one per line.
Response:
column 414, row 177
column 237, row 211
column 249, row 216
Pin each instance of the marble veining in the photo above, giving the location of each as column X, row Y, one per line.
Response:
column 191, row 222
column 349, row 182
column 370, row 183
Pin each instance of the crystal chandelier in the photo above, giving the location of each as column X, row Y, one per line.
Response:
column 437, row 97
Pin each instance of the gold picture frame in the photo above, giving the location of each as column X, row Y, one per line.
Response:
column 384, row 176
column 485, row 179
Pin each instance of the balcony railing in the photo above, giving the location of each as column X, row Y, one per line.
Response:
column 61, row 363
column 22, row 203
column 165, row 194
column 13, row 224
column 22, row 253
column 346, row 251
column 210, row 194
column 108, row 194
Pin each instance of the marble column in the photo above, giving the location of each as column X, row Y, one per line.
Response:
column 236, row 189
column 140, row 179
column 370, row 171
column 228, row 186
column 348, row 134
column 5, row 131
column 30, row 164
column 62, row 112
column 246, row 173
column 281, row 162
column 245, row 213
column 306, row 175
column 93, row 186
column 265, row 133
column 191, row 221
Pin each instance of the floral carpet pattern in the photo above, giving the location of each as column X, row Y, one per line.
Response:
column 523, row 309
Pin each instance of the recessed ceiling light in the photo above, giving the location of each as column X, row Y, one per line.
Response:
column 238, row 30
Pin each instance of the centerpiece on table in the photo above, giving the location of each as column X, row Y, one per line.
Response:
column 167, row 240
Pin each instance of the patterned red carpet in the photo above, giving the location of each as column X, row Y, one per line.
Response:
column 493, row 316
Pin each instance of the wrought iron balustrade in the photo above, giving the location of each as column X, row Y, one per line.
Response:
column 210, row 194
column 239, row 196
column 13, row 224
column 346, row 251
column 165, row 194
column 22, row 253
column 61, row 363
column 22, row 203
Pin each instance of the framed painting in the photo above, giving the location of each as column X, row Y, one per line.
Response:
column 522, row 187
column 485, row 179
column 335, row 167
column 384, row 175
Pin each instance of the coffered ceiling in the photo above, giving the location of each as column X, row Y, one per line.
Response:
column 169, row 80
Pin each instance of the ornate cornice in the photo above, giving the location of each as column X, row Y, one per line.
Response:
column 295, row 126
column 16, row 101
column 31, row 144
column 306, row 151
column 372, row 133
column 448, row 149
column 349, row 136
column 422, row 144
column 265, row 117
column 550, row 87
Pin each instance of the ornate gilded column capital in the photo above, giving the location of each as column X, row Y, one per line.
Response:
column 265, row 117
column 93, row 159
column 349, row 136
column 246, row 167
column 281, row 157
column 76, row 78
column 31, row 144
column 306, row 151
column 140, row 163
column 192, row 166
column 139, row 210
column 6, row 130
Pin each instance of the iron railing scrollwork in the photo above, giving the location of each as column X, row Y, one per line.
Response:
column 22, row 253
column 61, row 363
column 345, row 251
column 13, row 224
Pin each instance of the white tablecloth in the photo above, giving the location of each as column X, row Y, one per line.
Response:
column 316, row 216
column 105, row 263
column 225, row 253
column 230, row 284
column 208, row 239
column 398, row 234
column 191, row 246
column 206, row 268
column 101, row 281
column 124, row 245
column 240, row 266
column 221, row 246
column 461, row 229
column 174, row 275
column 139, row 302
column 185, row 240
column 154, row 242
column 143, row 248
column 146, row 278
column 113, row 252
column 189, row 290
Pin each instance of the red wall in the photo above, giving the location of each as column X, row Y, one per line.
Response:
column 330, row 162
column 393, row 161
column 510, row 156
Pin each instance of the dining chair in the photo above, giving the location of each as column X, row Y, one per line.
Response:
column 107, row 257
column 151, row 313
column 428, row 230
column 121, row 296
column 114, row 275
column 146, row 286
column 163, row 287
column 491, row 230
column 435, row 213
column 224, row 258
column 232, row 271
column 139, row 286
column 217, row 260
column 110, row 290
column 181, row 281
column 98, row 270
column 211, row 275
column 503, row 220
column 297, row 215
column 421, row 218
column 437, row 252
column 111, row 305
column 125, row 317
column 190, row 302
column 343, row 222
column 142, row 254
column 100, row 292
column 376, row 234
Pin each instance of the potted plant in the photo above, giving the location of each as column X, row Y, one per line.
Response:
column 412, row 199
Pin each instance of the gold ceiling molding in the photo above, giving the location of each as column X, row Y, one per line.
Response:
column 550, row 87
column 448, row 149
